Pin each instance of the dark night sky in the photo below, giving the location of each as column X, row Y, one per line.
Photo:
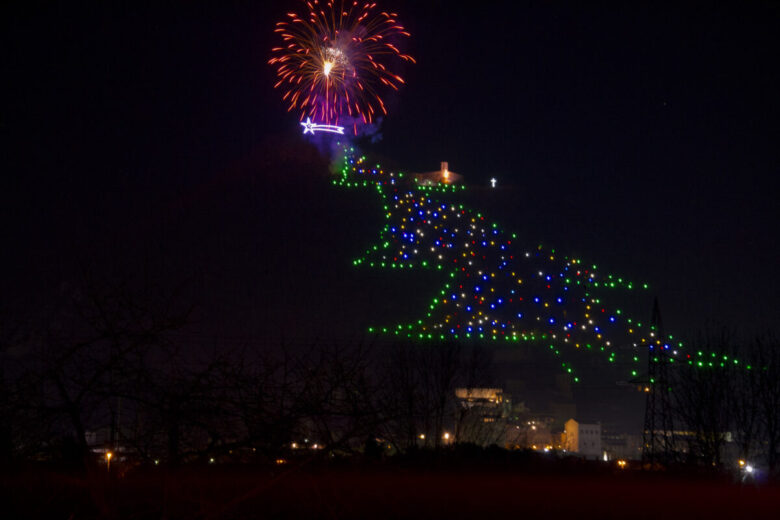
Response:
column 147, row 140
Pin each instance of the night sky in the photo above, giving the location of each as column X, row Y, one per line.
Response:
column 146, row 143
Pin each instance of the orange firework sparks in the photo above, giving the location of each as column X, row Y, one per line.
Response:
column 330, row 64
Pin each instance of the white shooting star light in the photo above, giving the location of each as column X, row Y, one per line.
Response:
column 310, row 128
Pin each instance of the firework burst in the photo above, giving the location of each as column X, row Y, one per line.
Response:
column 333, row 62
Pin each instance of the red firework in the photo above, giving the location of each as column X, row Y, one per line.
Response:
column 332, row 62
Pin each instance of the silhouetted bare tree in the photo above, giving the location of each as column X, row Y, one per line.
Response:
column 401, row 395
column 745, row 410
column 417, row 393
column 75, row 370
column 703, row 396
column 441, row 365
column 339, row 407
column 766, row 361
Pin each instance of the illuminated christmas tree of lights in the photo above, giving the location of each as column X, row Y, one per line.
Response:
column 332, row 65
column 495, row 288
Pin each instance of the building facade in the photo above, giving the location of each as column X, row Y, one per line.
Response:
column 583, row 439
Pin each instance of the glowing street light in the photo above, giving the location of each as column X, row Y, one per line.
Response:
column 108, row 460
column 493, row 182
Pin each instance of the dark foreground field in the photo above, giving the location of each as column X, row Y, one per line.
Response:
column 376, row 493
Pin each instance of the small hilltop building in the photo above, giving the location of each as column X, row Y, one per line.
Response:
column 441, row 176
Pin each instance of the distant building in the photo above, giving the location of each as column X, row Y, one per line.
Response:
column 621, row 445
column 481, row 416
column 583, row 439
column 481, row 397
column 533, row 433
column 441, row 176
